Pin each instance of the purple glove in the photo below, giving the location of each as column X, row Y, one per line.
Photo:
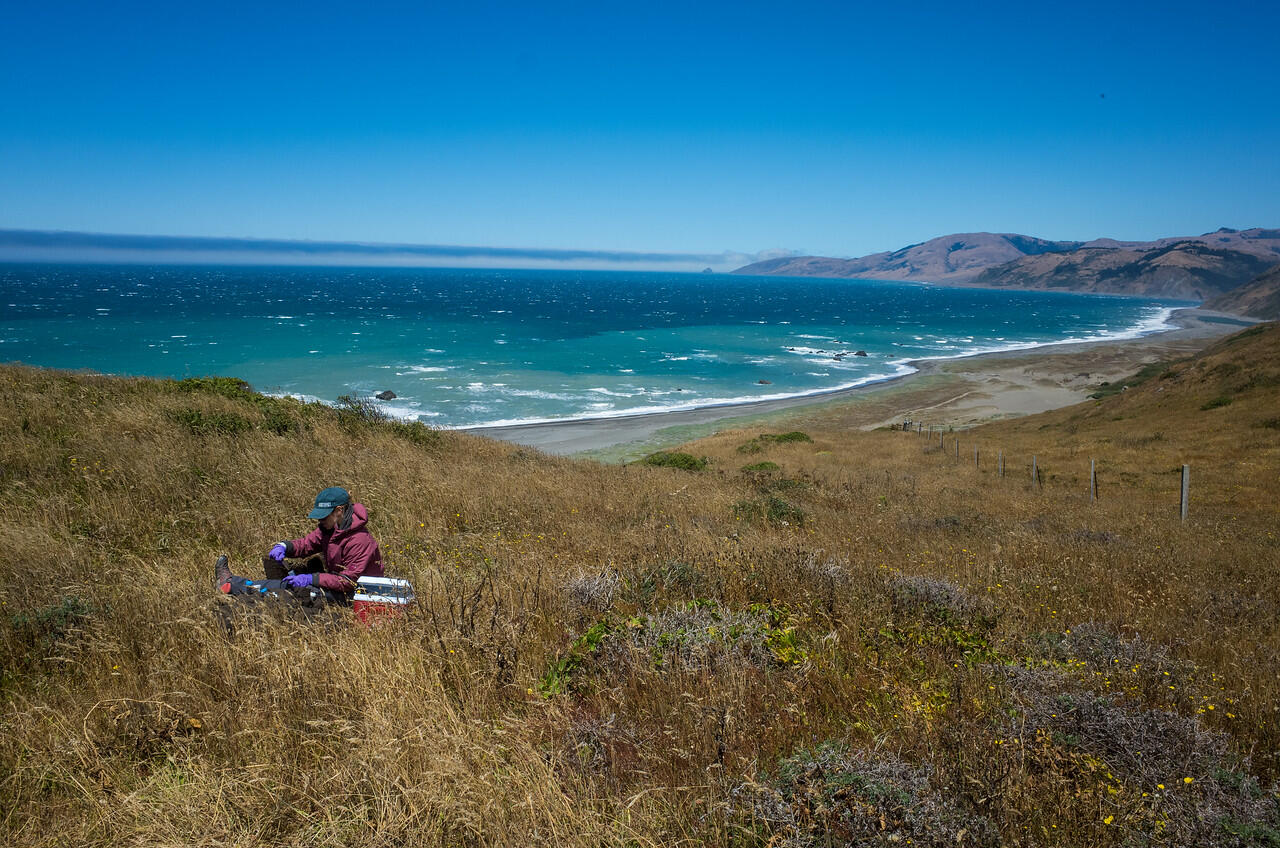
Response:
column 298, row 581
column 277, row 552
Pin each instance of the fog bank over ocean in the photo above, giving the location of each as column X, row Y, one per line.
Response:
column 111, row 248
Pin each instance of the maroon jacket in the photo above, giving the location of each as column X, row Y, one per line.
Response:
column 350, row 552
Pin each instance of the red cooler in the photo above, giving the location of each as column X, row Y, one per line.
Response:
column 380, row 598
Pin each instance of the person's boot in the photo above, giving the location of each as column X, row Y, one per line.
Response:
column 222, row 574
column 273, row 570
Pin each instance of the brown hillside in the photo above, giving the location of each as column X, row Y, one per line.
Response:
column 955, row 258
column 1259, row 298
column 1192, row 267
column 1189, row 269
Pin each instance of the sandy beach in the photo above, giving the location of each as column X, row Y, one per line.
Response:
column 951, row 393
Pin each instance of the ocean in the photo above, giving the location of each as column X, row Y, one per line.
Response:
column 465, row 348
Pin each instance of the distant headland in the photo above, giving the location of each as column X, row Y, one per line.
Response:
column 1192, row 267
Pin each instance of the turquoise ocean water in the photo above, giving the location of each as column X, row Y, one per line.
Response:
column 469, row 347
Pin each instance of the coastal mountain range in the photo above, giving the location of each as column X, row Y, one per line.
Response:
column 1199, row 268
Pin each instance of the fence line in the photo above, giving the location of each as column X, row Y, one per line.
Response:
column 1036, row 480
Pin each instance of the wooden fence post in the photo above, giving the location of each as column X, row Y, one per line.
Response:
column 975, row 456
column 1186, row 489
column 957, row 447
column 1000, row 463
column 1033, row 469
column 1093, row 481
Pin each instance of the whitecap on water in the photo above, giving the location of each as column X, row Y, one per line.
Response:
column 419, row 369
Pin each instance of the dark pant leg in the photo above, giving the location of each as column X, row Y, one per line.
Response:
column 273, row 589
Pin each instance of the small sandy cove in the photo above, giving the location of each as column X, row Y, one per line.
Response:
column 949, row 393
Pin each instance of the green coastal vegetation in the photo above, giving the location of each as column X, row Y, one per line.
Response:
column 808, row 637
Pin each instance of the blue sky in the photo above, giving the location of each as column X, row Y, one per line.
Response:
column 838, row 129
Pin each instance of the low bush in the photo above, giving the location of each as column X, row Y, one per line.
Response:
column 939, row 602
column 1172, row 781
column 784, row 438
column 42, row 632
column 834, row 796
column 227, row 387
column 757, row 444
column 278, row 415
column 593, row 591
column 417, row 432
column 675, row 459
column 769, row 508
column 699, row 635
column 201, row 423
column 355, row 412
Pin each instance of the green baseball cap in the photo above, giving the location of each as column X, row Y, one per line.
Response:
column 328, row 500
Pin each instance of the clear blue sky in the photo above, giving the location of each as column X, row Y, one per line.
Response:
column 831, row 128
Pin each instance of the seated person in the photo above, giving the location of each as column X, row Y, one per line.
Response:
column 341, row 537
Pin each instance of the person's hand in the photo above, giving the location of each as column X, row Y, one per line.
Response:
column 277, row 552
column 299, row 581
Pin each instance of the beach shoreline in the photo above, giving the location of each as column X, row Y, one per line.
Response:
column 956, row 392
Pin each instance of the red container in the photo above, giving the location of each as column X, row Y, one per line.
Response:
column 381, row 599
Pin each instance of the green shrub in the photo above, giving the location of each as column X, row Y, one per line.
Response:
column 757, row 444
column 275, row 419
column 769, row 508
column 675, row 459
column 355, row 412
column 227, row 387
column 761, row 467
column 782, row 438
column 699, row 634
column 279, row 415
column 1216, row 403
column 416, row 432
column 42, row 631
column 210, row 423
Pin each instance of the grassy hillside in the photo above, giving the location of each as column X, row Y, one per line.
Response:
column 821, row 637
column 1259, row 297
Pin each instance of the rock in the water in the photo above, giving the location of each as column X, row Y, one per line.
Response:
column 764, row 382
column 387, row 395
column 859, row 353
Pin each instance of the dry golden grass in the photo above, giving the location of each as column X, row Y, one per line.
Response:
column 618, row 655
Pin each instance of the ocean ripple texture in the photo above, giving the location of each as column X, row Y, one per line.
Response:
column 464, row 348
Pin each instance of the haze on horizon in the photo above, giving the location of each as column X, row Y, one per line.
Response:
column 668, row 136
